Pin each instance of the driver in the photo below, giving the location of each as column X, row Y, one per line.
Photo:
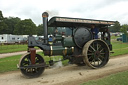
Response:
column 94, row 31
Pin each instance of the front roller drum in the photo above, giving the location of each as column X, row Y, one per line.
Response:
column 96, row 53
column 31, row 70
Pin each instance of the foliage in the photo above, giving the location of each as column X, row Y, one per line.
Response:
column 3, row 26
column 116, row 27
column 11, row 22
column 25, row 27
column 14, row 25
column 114, row 79
column 51, row 30
column 124, row 29
column 40, row 30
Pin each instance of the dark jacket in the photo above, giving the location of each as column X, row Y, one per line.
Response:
column 95, row 32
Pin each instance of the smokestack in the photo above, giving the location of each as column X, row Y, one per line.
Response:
column 45, row 26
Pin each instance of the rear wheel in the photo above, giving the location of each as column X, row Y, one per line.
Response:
column 28, row 71
column 96, row 53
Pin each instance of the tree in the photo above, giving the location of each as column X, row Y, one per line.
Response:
column 25, row 27
column 3, row 26
column 124, row 29
column 11, row 22
column 51, row 30
column 116, row 27
column 40, row 30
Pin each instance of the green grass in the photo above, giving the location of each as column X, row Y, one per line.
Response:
column 9, row 63
column 12, row 48
column 120, row 78
column 119, row 48
column 114, row 37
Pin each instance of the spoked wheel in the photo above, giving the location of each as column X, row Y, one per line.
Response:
column 96, row 53
column 30, row 70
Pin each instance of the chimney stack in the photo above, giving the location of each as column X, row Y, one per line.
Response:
column 45, row 26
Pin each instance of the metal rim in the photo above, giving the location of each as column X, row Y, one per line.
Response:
column 96, row 53
column 31, row 72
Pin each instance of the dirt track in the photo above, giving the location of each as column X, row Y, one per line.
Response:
column 68, row 75
column 15, row 53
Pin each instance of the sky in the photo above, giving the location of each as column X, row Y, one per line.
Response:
column 112, row 10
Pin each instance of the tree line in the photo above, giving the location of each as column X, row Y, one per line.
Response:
column 14, row 25
column 119, row 28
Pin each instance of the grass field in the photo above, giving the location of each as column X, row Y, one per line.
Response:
column 12, row 48
column 10, row 63
column 119, row 48
column 120, row 78
column 114, row 37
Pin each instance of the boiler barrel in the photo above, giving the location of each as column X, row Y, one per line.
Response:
column 59, row 50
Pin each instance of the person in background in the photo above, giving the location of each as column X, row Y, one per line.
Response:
column 94, row 31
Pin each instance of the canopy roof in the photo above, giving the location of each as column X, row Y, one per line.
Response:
column 77, row 22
